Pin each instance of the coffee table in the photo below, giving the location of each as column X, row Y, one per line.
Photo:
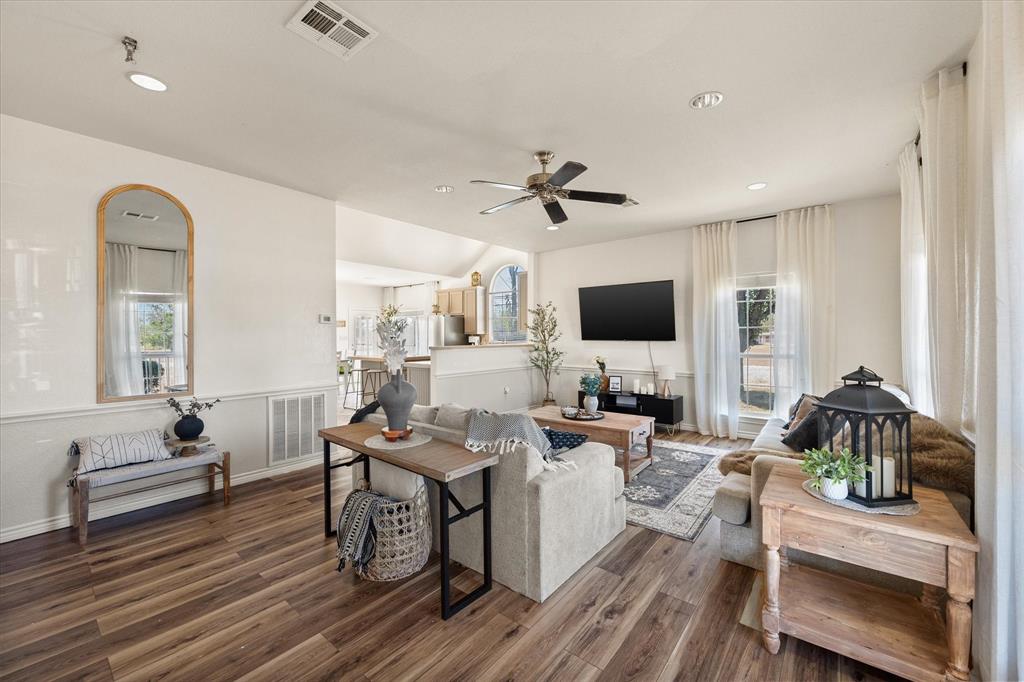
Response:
column 618, row 430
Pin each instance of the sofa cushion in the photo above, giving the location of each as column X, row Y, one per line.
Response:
column 770, row 437
column 807, row 403
column 732, row 499
column 425, row 414
column 453, row 416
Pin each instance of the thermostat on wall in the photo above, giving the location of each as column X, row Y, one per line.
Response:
column 326, row 319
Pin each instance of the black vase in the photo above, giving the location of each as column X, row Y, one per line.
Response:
column 188, row 427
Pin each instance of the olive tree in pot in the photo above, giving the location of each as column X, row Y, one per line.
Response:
column 544, row 356
column 397, row 396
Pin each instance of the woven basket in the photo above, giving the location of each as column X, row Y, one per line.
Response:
column 403, row 539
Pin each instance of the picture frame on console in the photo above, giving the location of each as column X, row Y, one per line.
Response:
column 614, row 383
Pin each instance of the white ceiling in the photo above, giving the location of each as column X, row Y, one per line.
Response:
column 819, row 98
column 366, row 274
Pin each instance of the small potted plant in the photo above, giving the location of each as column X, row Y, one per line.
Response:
column 591, row 384
column 833, row 474
column 189, row 426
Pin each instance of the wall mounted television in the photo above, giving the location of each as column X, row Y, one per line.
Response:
column 643, row 311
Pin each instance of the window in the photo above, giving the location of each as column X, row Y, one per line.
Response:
column 504, row 306
column 363, row 333
column 756, row 310
column 162, row 368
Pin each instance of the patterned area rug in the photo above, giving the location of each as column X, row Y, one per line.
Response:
column 673, row 495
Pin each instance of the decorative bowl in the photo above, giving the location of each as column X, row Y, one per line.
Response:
column 569, row 412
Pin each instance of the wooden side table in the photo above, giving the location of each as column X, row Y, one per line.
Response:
column 889, row 630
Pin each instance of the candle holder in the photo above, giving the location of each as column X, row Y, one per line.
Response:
column 875, row 424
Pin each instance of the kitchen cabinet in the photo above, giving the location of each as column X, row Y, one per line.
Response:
column 470, row 302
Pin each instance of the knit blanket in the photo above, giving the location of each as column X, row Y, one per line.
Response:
column 357, row 536
column 501, row 433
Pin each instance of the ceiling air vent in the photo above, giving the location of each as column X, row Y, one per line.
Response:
column 331, row 28
column 140, row 216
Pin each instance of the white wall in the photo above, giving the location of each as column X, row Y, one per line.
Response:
column 490, row 261
column 264, row 270
column 867, row 243
column 497, row 377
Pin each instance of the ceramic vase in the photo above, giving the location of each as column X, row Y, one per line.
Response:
column 834, row 489
column 604, row 383
column 590, row 404
column 397, row 398
column 188, row 427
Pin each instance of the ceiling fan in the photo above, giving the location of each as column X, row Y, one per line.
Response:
column 550, row 187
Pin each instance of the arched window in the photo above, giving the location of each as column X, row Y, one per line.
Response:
column 504, row 302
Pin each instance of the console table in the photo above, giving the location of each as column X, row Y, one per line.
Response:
column 441, row 462
column 666, row 409
column 890, row 630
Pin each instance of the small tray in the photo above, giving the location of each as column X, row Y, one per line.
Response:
column 586, row 417
column 846, row 503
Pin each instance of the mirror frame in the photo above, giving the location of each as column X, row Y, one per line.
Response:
column 101, row 271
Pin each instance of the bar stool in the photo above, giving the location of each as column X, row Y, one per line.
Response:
column 353, row 382
column 373, row 379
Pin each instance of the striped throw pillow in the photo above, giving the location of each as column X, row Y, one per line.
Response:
column 119, row 449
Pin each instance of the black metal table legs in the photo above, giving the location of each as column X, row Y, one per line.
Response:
column 448, row 609
column 329, row 528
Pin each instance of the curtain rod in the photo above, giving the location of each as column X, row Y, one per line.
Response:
column 760, row 217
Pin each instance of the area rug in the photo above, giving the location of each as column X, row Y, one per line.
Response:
column 673, row 495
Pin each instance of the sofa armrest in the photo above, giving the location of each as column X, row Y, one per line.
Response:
column 759, row 473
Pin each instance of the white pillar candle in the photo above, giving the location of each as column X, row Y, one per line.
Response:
column 636, row 385
column 650, row 389
column 882, row 468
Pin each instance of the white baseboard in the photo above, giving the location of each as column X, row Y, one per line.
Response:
column 101, row 510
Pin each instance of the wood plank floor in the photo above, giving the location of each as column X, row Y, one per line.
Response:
column 192, row 590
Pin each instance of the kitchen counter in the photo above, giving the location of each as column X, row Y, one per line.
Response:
column 482, row 346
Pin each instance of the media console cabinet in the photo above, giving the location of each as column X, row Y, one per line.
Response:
column 666, row 409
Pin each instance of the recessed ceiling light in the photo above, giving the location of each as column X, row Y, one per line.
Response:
column 706, row 100
column 757, row 185
column 444, row 189
column 147, row 82
column 552, row 227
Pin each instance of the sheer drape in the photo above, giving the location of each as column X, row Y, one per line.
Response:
column 179, row 367
column 716, row 331
column 917, row 368
column 805, row 321
column 122, row 354
column 943, row 128
column 996, row 168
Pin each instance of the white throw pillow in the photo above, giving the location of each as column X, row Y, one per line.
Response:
column 424, row 414
column 394, row 482
column 898, row 392
column 120, row 449
column 453, row 416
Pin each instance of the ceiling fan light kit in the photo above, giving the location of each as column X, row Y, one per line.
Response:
column 550, row 187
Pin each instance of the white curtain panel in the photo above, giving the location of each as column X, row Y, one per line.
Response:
column 917, row 368
column 996, row 166
column 122, row 354
column 716, row 333
column 805, row 305
column 179, row 365
column 943, row 117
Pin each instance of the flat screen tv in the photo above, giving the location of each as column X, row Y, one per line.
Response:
column 644, row 311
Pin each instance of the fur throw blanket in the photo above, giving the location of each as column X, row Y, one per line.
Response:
column 941, row 458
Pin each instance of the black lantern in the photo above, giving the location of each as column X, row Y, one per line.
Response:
column 875, row 424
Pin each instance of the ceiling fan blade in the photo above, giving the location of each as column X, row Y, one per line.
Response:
column 565, row 174
column 599, row 197
column 502, row 185
column 507, row 204
column 555, row 212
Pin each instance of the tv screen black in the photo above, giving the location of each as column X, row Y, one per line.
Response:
column 644, row 311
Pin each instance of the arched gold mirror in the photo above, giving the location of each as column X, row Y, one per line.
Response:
column 144, row 292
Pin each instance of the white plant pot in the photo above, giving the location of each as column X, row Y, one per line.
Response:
column 590, row 404
column 835, row 489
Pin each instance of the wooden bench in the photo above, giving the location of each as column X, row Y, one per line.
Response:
column 81, row 488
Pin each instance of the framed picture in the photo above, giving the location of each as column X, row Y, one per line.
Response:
column 614, row 384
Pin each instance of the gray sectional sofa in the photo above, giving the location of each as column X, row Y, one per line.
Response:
column 545, row 524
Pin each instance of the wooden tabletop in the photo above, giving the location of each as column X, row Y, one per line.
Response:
column 613, row 421
column 938, row 521
column 438, row 460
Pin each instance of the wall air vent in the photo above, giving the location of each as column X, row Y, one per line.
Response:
column 293, row 422
column 140, row 216
column 331, row 28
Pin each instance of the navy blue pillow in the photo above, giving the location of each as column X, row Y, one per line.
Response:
column 564, row 440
